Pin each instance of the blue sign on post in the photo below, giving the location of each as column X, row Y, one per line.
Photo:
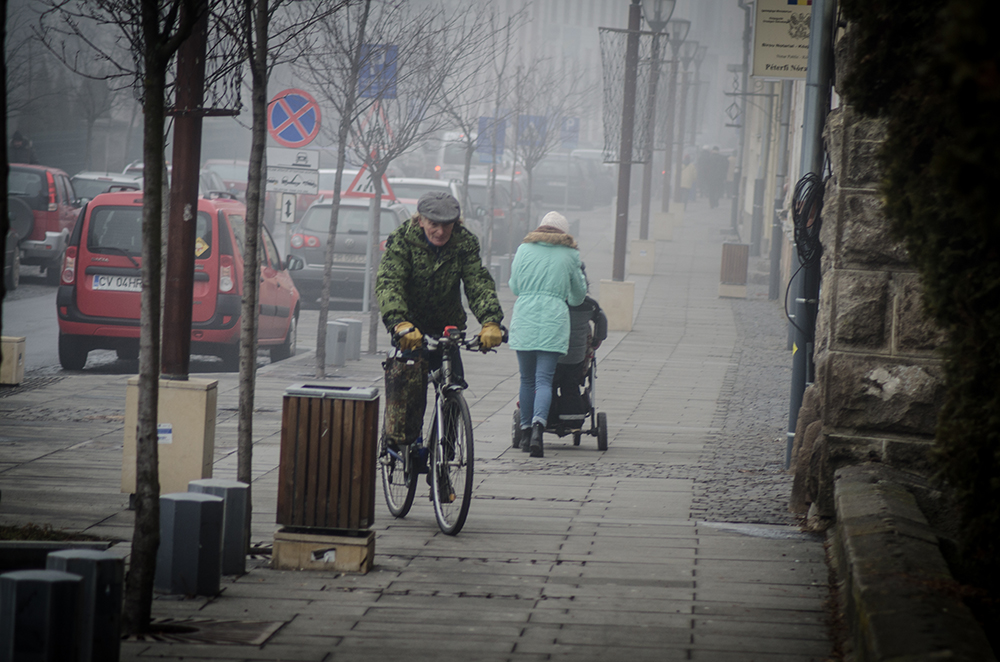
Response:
column 570, row 133
column 531, row 130
column 377, row 78
column 484, row 138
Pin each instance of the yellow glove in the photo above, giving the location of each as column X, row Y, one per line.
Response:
column 490, row 336
column 409, row 336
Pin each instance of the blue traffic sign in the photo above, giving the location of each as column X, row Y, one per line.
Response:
column 377, row 78
column 569, row 133
column 293, row 118
column 484, row 138
column 531, row 130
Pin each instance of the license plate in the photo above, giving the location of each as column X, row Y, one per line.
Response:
column 349, row 258
column 118, row 283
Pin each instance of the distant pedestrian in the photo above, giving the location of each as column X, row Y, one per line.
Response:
column 715, row 176
column 689, row 173
column 21, row 150
column 547, row 279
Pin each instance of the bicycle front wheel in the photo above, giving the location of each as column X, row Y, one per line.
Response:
column 397, row 483
column 451, row 476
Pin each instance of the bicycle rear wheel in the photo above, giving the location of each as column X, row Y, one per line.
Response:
column 452, row 471
column 398, row 484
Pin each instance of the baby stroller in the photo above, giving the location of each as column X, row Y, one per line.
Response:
column 573, row 386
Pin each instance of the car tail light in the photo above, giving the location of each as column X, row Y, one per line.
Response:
column 69, row 266
column 226, row 282
column 381, row 245
column 52, row 192
column 307, row 240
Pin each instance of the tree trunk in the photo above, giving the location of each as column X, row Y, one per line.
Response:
column 137, row 609
column 344, row 129
column 256, row 30
column 375, row 230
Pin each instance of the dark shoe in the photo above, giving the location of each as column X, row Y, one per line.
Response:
column 523, row 439
column 536, row 440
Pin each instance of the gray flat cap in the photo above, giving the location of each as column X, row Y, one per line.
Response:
column 439, row 207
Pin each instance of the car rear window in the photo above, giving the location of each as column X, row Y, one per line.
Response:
column 415, row 190
column 91, row 188
column 350, row 220
column 119, row 229
column 230, row 171
column 30, row 186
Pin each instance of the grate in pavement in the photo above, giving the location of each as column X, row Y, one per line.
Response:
column 209, row 631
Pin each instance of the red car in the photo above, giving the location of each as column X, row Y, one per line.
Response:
column 48, row 194
column 101, row 283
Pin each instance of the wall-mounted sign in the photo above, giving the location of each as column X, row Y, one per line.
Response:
column 781, row 38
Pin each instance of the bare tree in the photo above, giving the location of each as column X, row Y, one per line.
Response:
column 154, row 31
column 544, row 98
column 382, row 69
column 266, row 31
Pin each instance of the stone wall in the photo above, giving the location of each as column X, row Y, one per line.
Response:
column 878, row 384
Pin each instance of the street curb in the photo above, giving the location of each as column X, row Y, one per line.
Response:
column 899, row 599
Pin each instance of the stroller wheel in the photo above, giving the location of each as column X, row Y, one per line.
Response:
column 515, row 429
column 602, row 431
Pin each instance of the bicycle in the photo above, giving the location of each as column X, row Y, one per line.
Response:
column 448, row 457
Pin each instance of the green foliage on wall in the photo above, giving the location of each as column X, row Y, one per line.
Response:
column 932, row 70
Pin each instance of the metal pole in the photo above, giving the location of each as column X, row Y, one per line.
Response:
column 647, row 171
column 682, row 121
column 757, row 227
column 178, row 292
column 817, row 105
column 669, row 128
column 625, row 153
column 773, row 284
column 747, row 7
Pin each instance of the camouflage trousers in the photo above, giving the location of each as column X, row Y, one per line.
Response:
column 405, row 398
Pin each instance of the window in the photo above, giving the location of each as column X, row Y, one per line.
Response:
column 350, row 220
column 115, row 230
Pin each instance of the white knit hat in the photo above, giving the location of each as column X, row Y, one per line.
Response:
column 556, row 220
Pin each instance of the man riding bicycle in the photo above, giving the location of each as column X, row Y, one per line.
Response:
column 419, row 291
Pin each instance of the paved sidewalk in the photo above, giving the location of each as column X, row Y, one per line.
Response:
column 582, row 555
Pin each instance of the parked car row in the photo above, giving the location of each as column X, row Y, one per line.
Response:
column 100, row 284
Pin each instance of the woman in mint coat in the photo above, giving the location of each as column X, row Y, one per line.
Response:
column 546, row 278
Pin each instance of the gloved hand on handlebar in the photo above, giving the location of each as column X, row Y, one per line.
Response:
column 490, row 336
column 409, row 336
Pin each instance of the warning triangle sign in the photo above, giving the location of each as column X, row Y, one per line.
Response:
column 363, row 186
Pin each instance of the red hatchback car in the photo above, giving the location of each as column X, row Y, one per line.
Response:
column 99, row 295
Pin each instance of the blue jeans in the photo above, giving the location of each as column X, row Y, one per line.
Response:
column 537, row 369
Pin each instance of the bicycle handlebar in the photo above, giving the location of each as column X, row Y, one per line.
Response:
column 451, row 335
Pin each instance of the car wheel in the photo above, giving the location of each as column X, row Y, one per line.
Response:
column 72, row 353
column 13, row 277
column 127, row 353
column 54, row 269
column 287, row 348
column 230, row 356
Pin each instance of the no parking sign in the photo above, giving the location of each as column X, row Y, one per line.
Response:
column 293, row 118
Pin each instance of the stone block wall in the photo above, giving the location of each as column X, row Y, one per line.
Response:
column 878, row 382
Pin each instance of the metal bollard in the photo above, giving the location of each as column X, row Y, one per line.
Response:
column 103, row 576
column 336, row 343
column 353, row 338
column 40, row 616
column 235, row 537
column 189, row 561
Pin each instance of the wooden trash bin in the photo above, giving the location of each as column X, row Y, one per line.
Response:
column 326, row 471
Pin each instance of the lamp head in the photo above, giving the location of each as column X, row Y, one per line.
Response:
column 678, row 30
column 689, row 50
column 657, row 13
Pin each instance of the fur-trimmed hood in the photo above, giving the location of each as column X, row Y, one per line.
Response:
column 554, row 238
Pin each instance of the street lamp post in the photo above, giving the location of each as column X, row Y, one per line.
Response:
column 628, row 129
column 699, row 57
column 689, row 51
column 657, row 14
column 678, row 30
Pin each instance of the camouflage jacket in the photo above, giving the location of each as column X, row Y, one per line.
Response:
column 417, row 284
